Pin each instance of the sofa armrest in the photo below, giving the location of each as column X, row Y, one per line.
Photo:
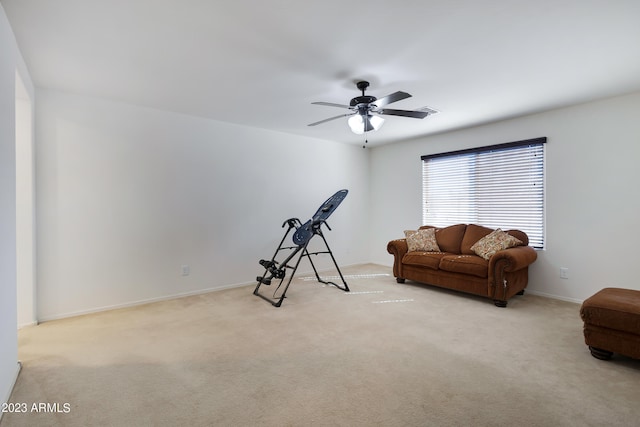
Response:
column 508, row 271
column 513, row 259
column 398, row 248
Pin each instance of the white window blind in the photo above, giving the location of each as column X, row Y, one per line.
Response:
column 500, row 186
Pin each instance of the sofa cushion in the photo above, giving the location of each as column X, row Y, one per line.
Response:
column 520, row 235
column 423, row 259
column 422, row 240
column 494, row 242
column 465, row 264
column 472, row 234
column 450, row 238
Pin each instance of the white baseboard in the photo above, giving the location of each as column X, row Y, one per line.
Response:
column 163, row 298
column 24, row 325
column 141, row 302
column 552, row 296
column 230, row 286
column 13, row 384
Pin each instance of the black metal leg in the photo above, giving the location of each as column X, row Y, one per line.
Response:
column 276, row 270
column 346, row 287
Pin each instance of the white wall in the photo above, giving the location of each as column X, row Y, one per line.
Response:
column 127, row 195
column 8, row 322
column 25, row 200
column 11, row 65
column 592, row 202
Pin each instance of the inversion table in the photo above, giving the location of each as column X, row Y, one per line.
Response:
column 303, row 234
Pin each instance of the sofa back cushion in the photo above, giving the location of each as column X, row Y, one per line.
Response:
column 472, row 234
column 449, row 238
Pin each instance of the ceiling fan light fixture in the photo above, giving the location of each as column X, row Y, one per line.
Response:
column 360, row 124
column 376, row 122
column 356, row 124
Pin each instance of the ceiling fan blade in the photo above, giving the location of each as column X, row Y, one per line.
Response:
column 404, row 113
column 331, row 104
column 329, row 119
column 394, row 97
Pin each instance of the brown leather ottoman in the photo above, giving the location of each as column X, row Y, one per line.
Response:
column 612, row 323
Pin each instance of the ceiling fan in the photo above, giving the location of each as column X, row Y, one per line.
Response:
column 366, row 110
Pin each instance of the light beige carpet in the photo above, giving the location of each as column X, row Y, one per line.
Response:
column 383, row 355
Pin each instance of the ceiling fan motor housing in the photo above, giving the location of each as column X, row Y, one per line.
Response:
column 365, row 99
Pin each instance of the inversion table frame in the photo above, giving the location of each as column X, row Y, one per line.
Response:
column 302, row 236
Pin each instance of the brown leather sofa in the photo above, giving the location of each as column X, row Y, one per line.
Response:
column 498, row 274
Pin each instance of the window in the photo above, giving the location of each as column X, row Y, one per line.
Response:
column 496, row 186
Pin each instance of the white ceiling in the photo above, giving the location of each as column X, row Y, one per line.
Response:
column 262, row 63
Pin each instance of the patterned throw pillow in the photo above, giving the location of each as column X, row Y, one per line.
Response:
column 422, row 240
column 493, row 242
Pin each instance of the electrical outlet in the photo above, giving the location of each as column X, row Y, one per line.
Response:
column 186, row 270
column 564, row 273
